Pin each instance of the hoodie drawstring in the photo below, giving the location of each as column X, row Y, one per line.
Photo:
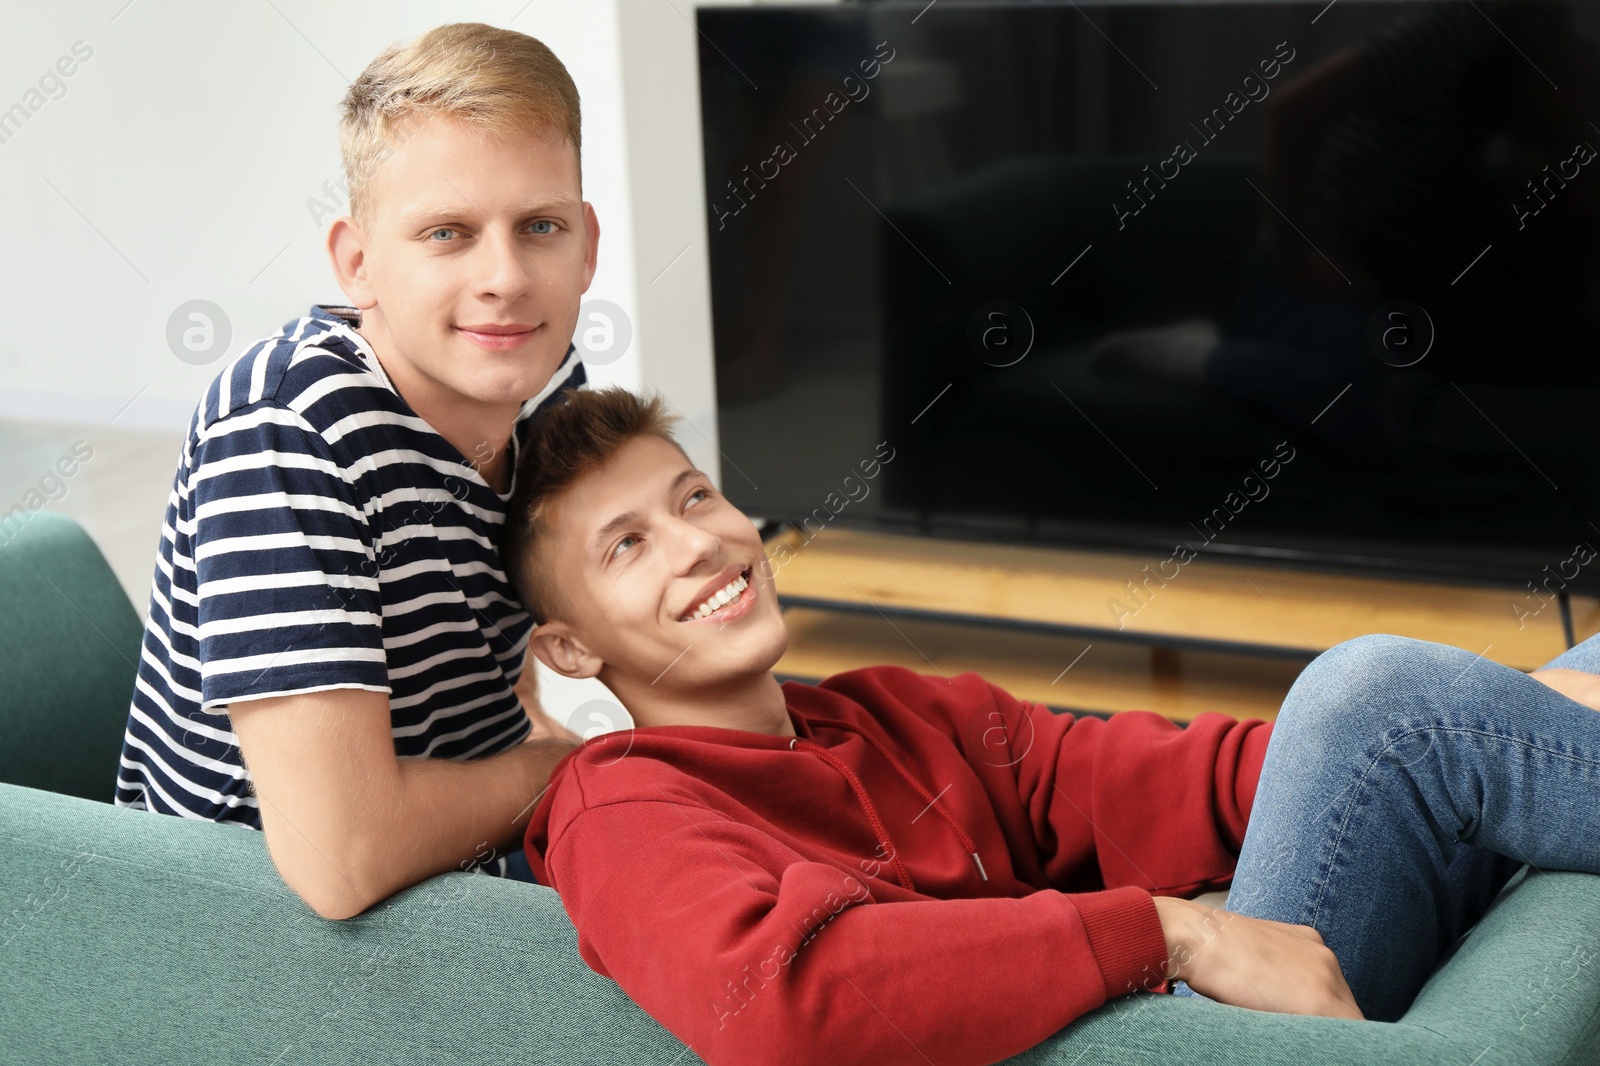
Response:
column 872, row 814
column 884, row 840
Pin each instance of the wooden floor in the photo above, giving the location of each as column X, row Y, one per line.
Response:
column 119, row 494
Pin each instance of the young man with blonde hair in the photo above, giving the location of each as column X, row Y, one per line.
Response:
column 897, row 867
column 333, row 652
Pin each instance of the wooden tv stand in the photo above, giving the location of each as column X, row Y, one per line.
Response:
column 1220, row 635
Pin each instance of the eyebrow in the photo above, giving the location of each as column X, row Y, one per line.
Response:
column 629, row 517
column 424, row 213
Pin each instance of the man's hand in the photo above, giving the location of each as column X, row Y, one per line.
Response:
column 1253, row 962
column 527, row 690
column 1574, row 684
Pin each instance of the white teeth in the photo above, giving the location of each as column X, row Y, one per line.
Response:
column 717, row 599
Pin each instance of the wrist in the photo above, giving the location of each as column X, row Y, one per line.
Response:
column 1179, row 920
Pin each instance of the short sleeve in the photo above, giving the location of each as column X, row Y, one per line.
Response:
column 286, row 568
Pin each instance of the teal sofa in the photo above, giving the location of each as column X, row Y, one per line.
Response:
column 137, row 938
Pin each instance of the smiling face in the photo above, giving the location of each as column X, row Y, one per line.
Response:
column 634, row 548
column 470, row 264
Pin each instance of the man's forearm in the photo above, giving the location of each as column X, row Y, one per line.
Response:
column 445, row 814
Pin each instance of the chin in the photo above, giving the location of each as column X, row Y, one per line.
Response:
column 763, row 656
column 503, row 386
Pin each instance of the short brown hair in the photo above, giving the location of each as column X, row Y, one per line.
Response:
column 565, row 442
column 498, row 81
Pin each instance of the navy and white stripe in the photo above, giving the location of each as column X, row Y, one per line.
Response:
column 320, row 535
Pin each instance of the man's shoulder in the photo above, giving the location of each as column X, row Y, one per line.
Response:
column 636, row 765
column 316, row 365
column 657, row 766
column 610, row 770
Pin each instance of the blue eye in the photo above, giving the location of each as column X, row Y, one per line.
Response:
column 442, row 229
column 620, row 543
column 545, row 222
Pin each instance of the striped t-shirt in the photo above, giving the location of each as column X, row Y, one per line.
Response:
column 321, row 535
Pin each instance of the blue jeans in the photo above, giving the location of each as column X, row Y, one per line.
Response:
column 517, row 868
column 1404, row 784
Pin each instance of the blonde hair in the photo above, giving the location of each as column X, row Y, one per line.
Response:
column 497, row 81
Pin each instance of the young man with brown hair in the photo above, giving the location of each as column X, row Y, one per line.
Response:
column 772, row 870
column 894, row 867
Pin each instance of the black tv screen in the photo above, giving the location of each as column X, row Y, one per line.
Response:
column 1307, row 281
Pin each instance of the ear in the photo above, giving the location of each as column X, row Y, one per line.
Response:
column 591, row 226
column 555, row 645
column 347, row 254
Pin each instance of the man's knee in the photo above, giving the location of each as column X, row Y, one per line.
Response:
column 1370, row 678
column 1380, row 660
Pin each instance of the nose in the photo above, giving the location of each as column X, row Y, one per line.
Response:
column 506, row 271
column 694, row 549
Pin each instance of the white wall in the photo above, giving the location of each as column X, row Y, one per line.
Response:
column 673, row 310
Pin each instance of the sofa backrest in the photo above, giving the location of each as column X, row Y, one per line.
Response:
column 149, row 939
column 71, row 644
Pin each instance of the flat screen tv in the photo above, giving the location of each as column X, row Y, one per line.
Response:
column 1302, row 281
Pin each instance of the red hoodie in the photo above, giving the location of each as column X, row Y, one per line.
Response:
column 931, row 871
